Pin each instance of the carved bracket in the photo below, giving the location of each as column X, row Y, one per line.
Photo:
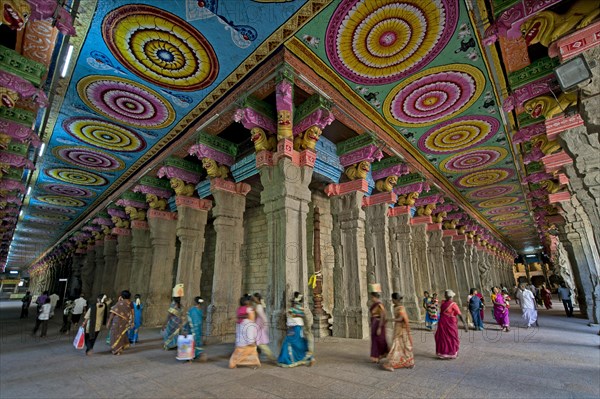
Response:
column 557, row 125
column 381, row 198
column 347, row 187
column 229, row 186
column 165, row 215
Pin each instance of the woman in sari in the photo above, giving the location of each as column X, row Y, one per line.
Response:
column 447, row 342
column 295, row 351
column 119, row 323
column 262, row 325
column 500, row 310
column 194, row 317
column 137, row 319
column 245, row 353
column 546, row 296
column 174, row 324
column 401, row 353
column 379, row 346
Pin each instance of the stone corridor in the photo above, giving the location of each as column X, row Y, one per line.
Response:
column 561, row 359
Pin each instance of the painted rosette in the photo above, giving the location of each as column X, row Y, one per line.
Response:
column 60, row 200
column 379, row 42
column 434, row 95
column 509, row 216
column 76, row 176
column 160, row 47
column 103, row 134
column 491, row 192
column 88, row 158
column 472, row 160
column 126, row 101
column 504, row 209
column 458, row 134
column 484, row 177
column 513, row 222
column 497, row 202
column 71, row 191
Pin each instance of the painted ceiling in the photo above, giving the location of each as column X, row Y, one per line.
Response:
column 145, row 71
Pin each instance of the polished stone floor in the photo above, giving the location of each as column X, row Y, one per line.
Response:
column 560, row 359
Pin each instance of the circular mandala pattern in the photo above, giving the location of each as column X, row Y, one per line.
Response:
column 60, row 200
column 52, row 217
column 88, row 158
column 104, row 134
column 514, row 222
column 509, row 216
column 434, row 95
column 160, row 47
column 495, row 202
column 484, row 177
column 126, row 101
column 470, row 160
column 491, row 192
column 379, row 42
column 53, row 209
column 71, row 191
column 76, row 176
column 458, row 134
column 504, row 209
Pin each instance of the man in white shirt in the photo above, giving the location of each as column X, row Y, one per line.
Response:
column 528, row 306
column 53, row 301
column 42, row 318
column 78, row 309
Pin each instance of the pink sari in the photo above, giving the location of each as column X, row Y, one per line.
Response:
column 501, row 311
column 446, row 336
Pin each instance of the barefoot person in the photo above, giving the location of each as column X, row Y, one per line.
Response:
column 94, row 319
column 379, row 346
column 447, row 342
column 401, row 353
column 119, row 323
column 295, row 351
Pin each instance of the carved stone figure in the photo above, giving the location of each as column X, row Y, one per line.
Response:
column 387, row 184
column 548, row 106
column 284, row 125
column 439, row 217
column 106, row 230
column 14, row 85
column 262, row 141
column 181, row 188
column 154, row 202
column 550, row 186
column 213, row 169
column 547, row 146
column 358, row 170
column 98, row 236
column 8, row 97
column 14, row 13
column 408, row 199
column 121, row 223
column 548, row 26
column 135, row 214
column 425, row 210
column 308, row 139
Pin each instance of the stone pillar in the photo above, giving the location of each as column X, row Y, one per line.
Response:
column 87, row 271
column 162, row 234
column 285, row 198
column 435, row 259
column 403, row 279
column 420, row 254
column 462, row 262
column 450, row 264
column 123, row 259
column 350, row 313
column 141, row 252
column 191, row 221
column 377, row 243
column 99, row 272
column 110, row 263
column 228, row 213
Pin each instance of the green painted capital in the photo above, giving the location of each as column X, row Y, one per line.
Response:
column 13, row 174
column 130, row 195
column 386, row 163
column 217, row 143
column 313, row 103
column 536, row 70
column 355, row 143
column 18, row 115
column 262, row 107
column 155, row 182
column 184, row 164
column 410, row 179
column 18, row 148
column 15, row 63
column 534, row 167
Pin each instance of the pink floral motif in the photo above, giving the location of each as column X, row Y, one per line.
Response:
column 529, row 132
column 529, row 91
column 396, row 170
column 369, row 153
column 23, row 87
column 537, row 177
column 203, row 151
column 171, row 172
column 133, row 203
column 320, row 118
column 430, row 199
column 412, row 188
column 17, row 131
column 534, row 155
column 159, row 192
column 117, row 212
column 15, row 160
column 251, row 119
column 49, row 9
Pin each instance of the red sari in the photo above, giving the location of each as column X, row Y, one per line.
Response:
column 547, row 297
column 446, row 336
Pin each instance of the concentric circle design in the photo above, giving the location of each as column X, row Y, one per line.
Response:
column 379, row 42
column 495, row 202
column 458, row 134
column 76, row 176
column 509, row 216
column 514, row 222
column 61, row 189
column 88, row 158
column 126, row 101
column 53, row 209
column 504, row 209
column 434, row 95
column 60, row 200
column 49, row 216
column 471, row 160
column 104, row 134
column 491, row 192
column 160, row 47
column 484, row 177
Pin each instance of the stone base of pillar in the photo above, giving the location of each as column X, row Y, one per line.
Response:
column 220, row 324
column 350, row 323
column 321, row 326
column 412, row 309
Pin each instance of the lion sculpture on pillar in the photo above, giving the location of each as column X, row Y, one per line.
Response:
column 181, row 188
column 386, row 185
column 548, row 106
column 358, row 170
column 154, row 202
column 262, row 141
column 308, row 139
column 135, row 214
column 214, row 170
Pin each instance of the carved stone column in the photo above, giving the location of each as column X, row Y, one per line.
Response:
column 285, row 198
column 141, row 250
column 87, row 271
column 191, row 222
column 462, row 263
column 123, row 259
column 110, row 263
column 99, row 271
column 435, row 258
column 230, row 204
column 350, row 313
column 377, row 243
column 403, row 279
column 162, row 234
column 450, row 264
column 420, row 254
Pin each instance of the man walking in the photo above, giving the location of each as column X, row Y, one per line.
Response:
column 78, row 309
column 25, row 306
column 564, row 294
column 528, row 305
